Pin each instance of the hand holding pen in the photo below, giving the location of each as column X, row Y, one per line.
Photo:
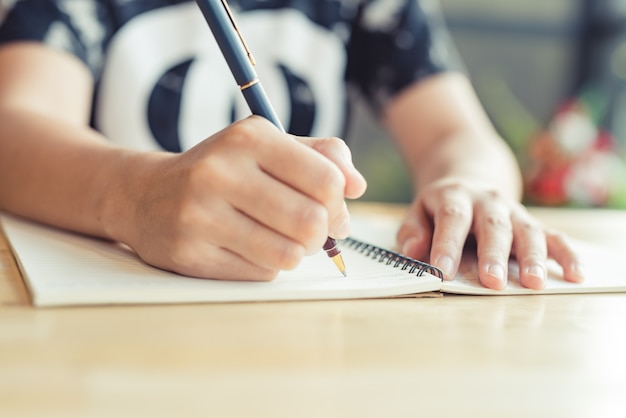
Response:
column 241, row 63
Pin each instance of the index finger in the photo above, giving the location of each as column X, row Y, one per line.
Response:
column 452, row 215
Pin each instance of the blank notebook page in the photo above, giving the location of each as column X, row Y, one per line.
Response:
column 62, row 268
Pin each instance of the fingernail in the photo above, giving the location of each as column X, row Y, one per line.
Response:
column 539, row 275
column 578, row 270
column 446, row 265
column 497, row 271
column 537, row 271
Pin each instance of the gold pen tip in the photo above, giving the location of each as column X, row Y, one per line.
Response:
column 338, row 260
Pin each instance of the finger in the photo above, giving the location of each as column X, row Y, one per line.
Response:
column 340, row 223
column 560, row 250
column 452, row 218
column 313, row 175
column 280, row 182
column 206, row 261
column 231, row 266
column 494, row 236
column 415, row 234
column 282, row 209
column 531, row 250
column 239, row 234
column 338, row 152
column 287, row 159
column 197, row 251
column 305, row 170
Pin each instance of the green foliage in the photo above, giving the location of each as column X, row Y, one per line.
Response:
column 385, row 172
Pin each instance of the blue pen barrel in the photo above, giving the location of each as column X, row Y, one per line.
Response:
column 259, row 105
column 231, row 44
column 222, row 24
column 228, row 40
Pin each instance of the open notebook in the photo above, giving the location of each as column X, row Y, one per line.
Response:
column 62, row 268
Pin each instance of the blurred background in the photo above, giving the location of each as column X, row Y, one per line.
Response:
column 552, row 77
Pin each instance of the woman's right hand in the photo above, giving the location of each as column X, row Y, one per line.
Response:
column 241, row 205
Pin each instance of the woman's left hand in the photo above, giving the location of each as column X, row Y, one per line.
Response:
column 448, row 211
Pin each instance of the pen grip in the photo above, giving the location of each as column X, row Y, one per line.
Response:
column 260, row 105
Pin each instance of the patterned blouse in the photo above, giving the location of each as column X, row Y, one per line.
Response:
column 161, row 82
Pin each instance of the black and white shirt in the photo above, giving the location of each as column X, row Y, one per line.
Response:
column 162, row 83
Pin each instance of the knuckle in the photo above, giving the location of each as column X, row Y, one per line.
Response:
column 185, row 219
column 265, row 275
column 313, row 217
column 256, row 122
column 181, row 255
column 493, row 194
column 456, row 186
column 245, row 128
column 338, row 143
column 208, row 172
column 288, row 256
column 452, row 211
column 449, row 189
column 530, row 227
column 329, row 144
column 447, row 246
column 494, row 255
column 245, row 134
column 497, row 221
column 311, row 222
column 191, row 216
column 332, row 183
column 531, row 258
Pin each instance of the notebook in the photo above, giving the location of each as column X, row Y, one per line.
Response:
column 62, row 269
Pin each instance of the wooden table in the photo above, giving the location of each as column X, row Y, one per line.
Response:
column 522, row 356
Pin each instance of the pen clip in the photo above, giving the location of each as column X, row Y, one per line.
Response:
column 243, row 42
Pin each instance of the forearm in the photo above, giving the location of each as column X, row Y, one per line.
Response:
column 58, row 173
column 472, row 157
column 443, row 132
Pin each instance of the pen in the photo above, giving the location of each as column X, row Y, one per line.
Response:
column 241, row 64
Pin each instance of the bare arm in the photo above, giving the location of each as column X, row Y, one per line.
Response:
column 443, row 132
column 242, row 205
column 53, row 167
column 467, row 183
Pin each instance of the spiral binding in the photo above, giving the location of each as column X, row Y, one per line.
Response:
column 392, row 258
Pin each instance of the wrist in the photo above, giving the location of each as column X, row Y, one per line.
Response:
column 127, row 183
column 499, row 172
